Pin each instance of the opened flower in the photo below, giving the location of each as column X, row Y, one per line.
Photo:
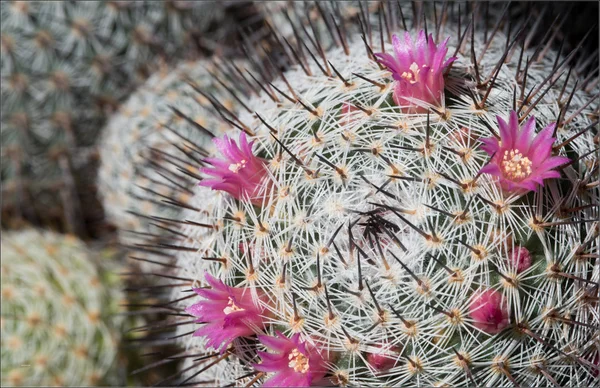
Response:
column 522, row 161
column 418, row 70
column 227, row 312
column 488, row 311
column 238, row 171
column 294, row 362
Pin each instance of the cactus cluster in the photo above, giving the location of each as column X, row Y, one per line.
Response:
column 59, row 313
column 65, row 66
column 406, row 210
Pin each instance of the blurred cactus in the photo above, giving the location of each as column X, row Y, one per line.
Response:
column 59, row 304
column 65, row 65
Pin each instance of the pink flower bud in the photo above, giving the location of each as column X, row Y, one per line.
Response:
column 520, row 259
column 382, row 359
column 488, row 311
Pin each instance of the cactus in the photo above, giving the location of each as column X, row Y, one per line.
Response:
column 418, row 213
column 147, row 130
column 129, row 157
column 58, row 312
column 65, row 66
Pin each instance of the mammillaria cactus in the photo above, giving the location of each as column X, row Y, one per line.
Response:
column 59, row 323
column 395, row 239
column 65, row 66
column 147, row 130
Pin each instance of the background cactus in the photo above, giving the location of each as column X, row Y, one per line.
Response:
column 65, row 66
column 378, row 239
column 147, row 130
column 59, row 305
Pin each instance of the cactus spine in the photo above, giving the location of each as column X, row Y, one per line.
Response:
column 164, row 120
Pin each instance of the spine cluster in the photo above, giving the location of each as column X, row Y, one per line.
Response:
column 165, row 120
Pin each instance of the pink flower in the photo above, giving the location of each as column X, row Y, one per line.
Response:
column 520, row 258
column 418, row 70
column 238, row 171
column 383, row 359
column 295, row 363
column 228, row 313
column 521, row 161
column 488, row 311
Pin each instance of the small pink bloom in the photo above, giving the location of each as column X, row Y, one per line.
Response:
column 521, row 161
column 383, row 359
column 227, row 312
column 488, row 311
column 294, row 362
column 237, row 171
column 520, row 258
column 418, row 70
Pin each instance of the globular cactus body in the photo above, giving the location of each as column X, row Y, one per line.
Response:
column 165, row 120
column 405, row 230
column 59, row 322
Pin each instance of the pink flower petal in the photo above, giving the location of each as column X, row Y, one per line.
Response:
column 237, row 171
column 490, row 145
column 543, row 135
column 504, row 132
column 520, row 160
column 491, row 169
column 525, row 137
column 554, row 161
column 417, row 68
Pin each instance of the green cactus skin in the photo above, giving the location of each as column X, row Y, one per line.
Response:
column 59, row 304
column 376, row 229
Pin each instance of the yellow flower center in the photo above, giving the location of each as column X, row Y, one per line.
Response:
column 235, row 167
column 231, row 308
column 412, row 76
column 515, row 165
column 298, row 361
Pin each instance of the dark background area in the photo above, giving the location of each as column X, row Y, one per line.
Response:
column 580, row 18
